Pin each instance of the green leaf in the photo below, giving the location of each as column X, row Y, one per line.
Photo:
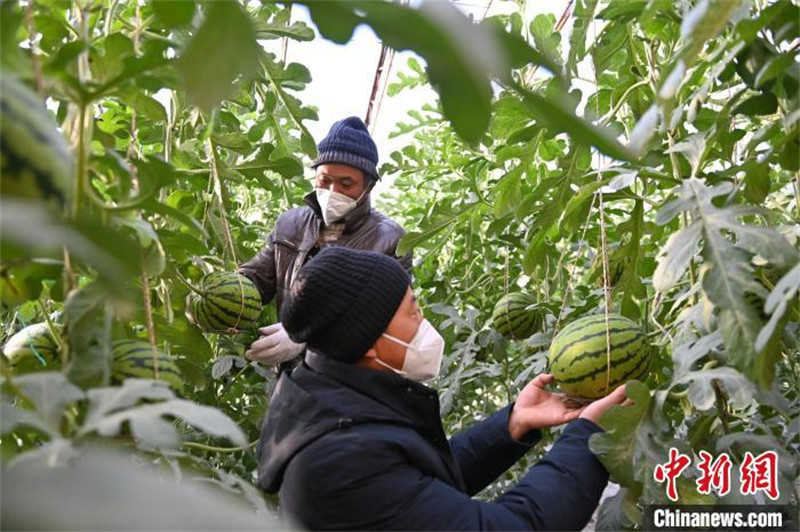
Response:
column 627, row 448
column 701, row 387
column 704, row 21
column 49, row 393
column 174, row 13
column 778, row 303
column 87, row 320
column 556, row 114
column 582, row 19
column 175, row 500
column 143, row 104
column 278, row 27
column 618, row 512
column 11, row 57
column 508, row 192
column 675, row 257
column 225, row 48
column 145, row 420
column 460, row 55
column 756, row 181
column 765, row 103
column 776, row 66
column 28, row 230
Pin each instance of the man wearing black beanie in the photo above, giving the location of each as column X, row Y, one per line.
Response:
column 354, row 441
column 337, row 213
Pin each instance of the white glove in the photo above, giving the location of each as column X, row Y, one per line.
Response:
column 274, row 346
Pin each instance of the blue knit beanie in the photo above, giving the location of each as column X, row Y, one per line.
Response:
column 348, row 142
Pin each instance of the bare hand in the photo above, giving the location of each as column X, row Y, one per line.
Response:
column 594, row 411
column 537, row 408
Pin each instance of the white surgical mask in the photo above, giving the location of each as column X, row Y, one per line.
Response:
column 334, row 205
column 423, row 354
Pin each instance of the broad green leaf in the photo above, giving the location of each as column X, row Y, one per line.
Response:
column 556, row 115
column 223, row 49
column 582, row 20
column 11, row 57
column 627, row 448
column 29, row 230
column 704, row 21
column 675, row 257
column 172, row 501
column 291, row 77
column 174, row 13
column 618, row 512
column 762, row 104
column 778, row 303
column 87, row 319
column 701, row 387
column 774, row 67
column 507, row 192
column 49, row 393
column 278, row 27
column 203, row 418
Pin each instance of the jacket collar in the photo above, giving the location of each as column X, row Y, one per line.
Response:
column 352, row 221
column 414, row 402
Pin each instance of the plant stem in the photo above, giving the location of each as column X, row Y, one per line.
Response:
column 148, row 317
column 211, row 448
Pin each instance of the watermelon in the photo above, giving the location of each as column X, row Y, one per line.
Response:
column 515, row 316
column 35, row 161
column 134, row 359
column 578, row 355
column 227, row 301
column 33, row 349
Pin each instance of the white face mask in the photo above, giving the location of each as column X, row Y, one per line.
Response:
column 423, row 354
column 335, row 205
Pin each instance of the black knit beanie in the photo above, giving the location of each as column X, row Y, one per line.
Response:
column 348, row 142
column 342, row 300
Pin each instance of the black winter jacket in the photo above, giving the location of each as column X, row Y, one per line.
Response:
column 349, row 448
column 295, row 236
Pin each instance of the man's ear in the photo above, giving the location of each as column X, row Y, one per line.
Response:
column 371, row 353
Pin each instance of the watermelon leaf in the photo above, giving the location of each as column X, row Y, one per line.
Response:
column 627, row 447
column 49, row 393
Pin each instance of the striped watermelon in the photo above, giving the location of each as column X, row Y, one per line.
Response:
column 33, row 349
column 35, row 161
column 515, row 316
column 134, row 359
column 578, row 355
column 227, row 301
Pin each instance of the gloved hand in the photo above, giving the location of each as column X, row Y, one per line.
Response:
column 274, row 346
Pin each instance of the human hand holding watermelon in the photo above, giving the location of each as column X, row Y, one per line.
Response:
column 538, row 408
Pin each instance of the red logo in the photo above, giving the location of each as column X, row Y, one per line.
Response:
column 758, row 473
column 672, row 470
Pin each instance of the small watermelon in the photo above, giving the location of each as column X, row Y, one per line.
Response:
column 33, row 349
column 35, row 161
column 516, row 316
column 228, row 301
column 134, row 359
column 579, row 360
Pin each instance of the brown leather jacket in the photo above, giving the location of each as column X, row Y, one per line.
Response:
column 294, row 239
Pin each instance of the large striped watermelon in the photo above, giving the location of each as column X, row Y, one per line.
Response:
column 33, row 349
column 227, row 301
column 134, row 359
column 35, row 161
column 516, row 316
column 579, row 361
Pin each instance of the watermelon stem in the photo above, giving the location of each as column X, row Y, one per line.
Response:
column 189, row 284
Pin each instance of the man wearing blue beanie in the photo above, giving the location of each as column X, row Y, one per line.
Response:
column 337, row 213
